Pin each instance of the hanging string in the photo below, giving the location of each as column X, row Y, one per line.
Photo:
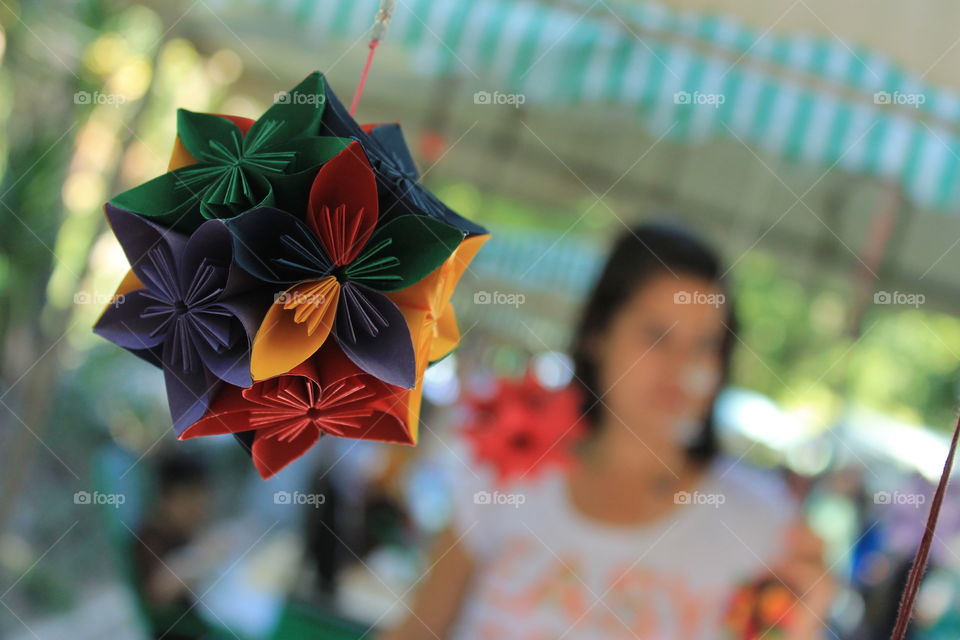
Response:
column 377, row 33
column 912, row 586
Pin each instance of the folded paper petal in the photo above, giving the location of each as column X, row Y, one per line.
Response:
column 165, row 199
column 227, row 353
column 296, row 325
column 208, row 136
column 188, row 393
column 149, row 248
column 128, row 285
column 387, row 426
column 123, row 324
column 228, row 413
column 297, row 112
column 271, row 453
column 421, row 329
column 461, row 261
column 446, row 335
column 403, row 251
column 275, row 247
column 310, row 153
column 373, row 333
column 342, row 210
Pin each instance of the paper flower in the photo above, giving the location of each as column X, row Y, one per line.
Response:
column 523, row 427
column 287, row 415
column 337, row 266
column 239, row 164
column 185, row 307
column 431, row 317
column 397, row 176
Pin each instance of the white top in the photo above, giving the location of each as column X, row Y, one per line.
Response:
column 544, row 570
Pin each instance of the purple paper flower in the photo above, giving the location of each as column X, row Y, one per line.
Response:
column 194, row 315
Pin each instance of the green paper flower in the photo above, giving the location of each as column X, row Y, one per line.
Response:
column 270, row 163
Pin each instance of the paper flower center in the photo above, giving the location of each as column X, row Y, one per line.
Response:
column 311, row 303
column 291, row 404
column 189, row 316
column 373, row 264
column 229, row 172
column 405, row 182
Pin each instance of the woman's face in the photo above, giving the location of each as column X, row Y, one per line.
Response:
column 659, row 361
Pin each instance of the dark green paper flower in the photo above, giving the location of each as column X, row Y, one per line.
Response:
column 240, row 165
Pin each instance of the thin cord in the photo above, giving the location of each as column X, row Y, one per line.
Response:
column 363, row 77
column 912, row 586
column 377, row 32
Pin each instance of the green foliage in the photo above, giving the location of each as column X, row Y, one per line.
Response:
column 799, row 349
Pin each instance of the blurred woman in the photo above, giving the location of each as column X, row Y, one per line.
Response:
column 653, row 532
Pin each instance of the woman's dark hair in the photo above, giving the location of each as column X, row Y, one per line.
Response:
column 638, row 255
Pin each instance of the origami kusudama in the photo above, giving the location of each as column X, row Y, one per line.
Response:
column 290, row 275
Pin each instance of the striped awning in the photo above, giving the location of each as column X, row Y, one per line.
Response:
column 688, row 76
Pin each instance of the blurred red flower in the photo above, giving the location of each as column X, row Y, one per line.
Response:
column 524, row 427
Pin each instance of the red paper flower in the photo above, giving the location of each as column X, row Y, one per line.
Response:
column 327, row 394
column 524, row 427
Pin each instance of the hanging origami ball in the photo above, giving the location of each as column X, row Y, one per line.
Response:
column 523, row 428
column 291, row 277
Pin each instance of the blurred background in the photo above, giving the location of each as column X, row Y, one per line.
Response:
column 815, row 143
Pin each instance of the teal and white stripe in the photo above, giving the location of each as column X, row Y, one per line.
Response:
column 803, row 98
